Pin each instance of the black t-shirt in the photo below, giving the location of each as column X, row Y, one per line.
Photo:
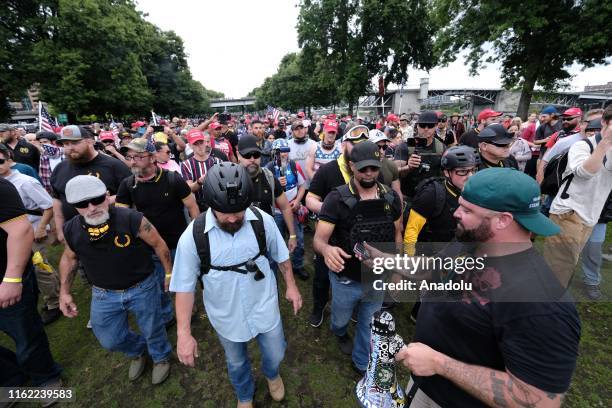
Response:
column 470, row 138
column 26, row 153
column 430, row 165
column 545, row 130
column 11, row 207
column 335, row 211
column 447, row 137
column 327, row 177
column 232, row 137
column 161, row 201
column 441, row 224
column 507, row 162
column 118, row 260
column 521, row 320
column 262, row 193
column 108, row 169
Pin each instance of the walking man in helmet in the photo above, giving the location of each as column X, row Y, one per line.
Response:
column 226, row 248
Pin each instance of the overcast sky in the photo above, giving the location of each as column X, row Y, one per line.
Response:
column 233, row 45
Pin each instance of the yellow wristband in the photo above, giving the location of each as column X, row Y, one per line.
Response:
column 292, row 236
column 168, row 275
column 12, row 280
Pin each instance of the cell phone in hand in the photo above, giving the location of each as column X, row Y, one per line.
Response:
column 360, row 250
column 157, row 128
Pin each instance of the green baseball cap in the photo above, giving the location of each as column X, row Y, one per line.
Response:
column 510, row 190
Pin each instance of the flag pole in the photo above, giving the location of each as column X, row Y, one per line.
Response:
column 39, row 116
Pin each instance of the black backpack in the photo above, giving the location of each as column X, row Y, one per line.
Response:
column 553, row 174
column 202, row 244
column 440, row 194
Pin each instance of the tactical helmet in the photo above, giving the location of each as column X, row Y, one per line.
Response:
column 228, row 188
column 460, row 156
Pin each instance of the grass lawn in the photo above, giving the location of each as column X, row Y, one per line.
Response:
column 315, row 373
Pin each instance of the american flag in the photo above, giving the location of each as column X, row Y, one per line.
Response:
column 271, row 111
column 45, row 121
column 154, row 119
column 114, row 128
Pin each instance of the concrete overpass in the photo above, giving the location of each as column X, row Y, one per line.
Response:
column 232, row 103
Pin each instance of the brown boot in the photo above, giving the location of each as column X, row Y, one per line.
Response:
column 245, row 404
column 276, row 388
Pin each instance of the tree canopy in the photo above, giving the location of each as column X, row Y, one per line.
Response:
column 97, row 56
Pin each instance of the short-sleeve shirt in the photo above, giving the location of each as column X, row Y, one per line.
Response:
column 429, row 155
column 326, row 179
column 108, row 169
column 238, row 306
column 34, row 196
column 11, row 208
column 521, row 321
column 389, row 172
column 161, row 201
column 192, row 169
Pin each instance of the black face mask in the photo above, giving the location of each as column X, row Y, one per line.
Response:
column 367, row 183
column 299, row 140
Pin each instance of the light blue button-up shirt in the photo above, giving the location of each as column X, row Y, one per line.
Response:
column 238, row 306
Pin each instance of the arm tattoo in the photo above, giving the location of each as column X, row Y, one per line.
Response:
column 521, row 394
column 497, row 386
column 147, row 225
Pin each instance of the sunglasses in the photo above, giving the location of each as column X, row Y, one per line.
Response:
column 252, row 155
column 465, row 172
column 569, row 119
column 441, row 120
column 369, row 168
column 2, row 161
column 382, row 147
column 426, row 125
column 94, row 201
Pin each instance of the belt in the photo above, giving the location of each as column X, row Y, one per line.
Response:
column 121, row 290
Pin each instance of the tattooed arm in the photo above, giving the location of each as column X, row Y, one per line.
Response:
column 493, row 387
column 151, row 237
column 293, row 293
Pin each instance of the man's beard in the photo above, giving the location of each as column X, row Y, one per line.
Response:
column 482, row 233
column 367, row 183
column 80, row 158
column 567, row 126
column 253, row 169
column 100, row 219
column 231, row 227
column 299, row 140
column 138, row 172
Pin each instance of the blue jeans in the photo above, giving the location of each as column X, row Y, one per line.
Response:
column 297, row 257
column 166, row 300
column 32, row 358
column 591, row 255
column 109, row 320
column 346, row 295
column 272, row 346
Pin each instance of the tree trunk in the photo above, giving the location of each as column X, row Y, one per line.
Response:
column 526, row 94
column 350, row 108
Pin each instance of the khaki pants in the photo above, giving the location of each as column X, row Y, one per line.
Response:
column 48, row 280
column 562, row 251
column 421, row 400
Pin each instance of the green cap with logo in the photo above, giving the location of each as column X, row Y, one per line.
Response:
column 509, row 190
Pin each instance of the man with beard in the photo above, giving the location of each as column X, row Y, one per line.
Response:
column 114, row 245
column 331, row 175
column 161, row 195
column 78, row 144
column 258, row 130
column 494, row 143
column 361, row 210
column 300, row 145
column 485, row 118
column 240, row 294
column 23, row 152
column 512, row 339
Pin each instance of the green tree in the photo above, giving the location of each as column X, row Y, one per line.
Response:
column 534, row 41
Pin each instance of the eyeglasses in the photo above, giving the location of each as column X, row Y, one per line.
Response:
column 94, row 201
column 501, row 145
column 136, row 158
column 426, row 125
column 369, row 168
column 252, row 155
column 465, row 172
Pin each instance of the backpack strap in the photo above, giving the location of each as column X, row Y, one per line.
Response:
column 347, row 197
column 568, row 179
column 259, row 229
column 202, row 243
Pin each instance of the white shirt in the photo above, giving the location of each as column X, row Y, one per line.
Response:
column 299, row 154
column 32, row 193
column 587, row 192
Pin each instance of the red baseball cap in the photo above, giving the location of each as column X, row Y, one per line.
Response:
column 392, row 118
column 138, row 124
column 488, row 113
column 330, row 126
column 301, row 115
column 193, row 135
column 106, row 135
column 214, row 125
column 572, row 112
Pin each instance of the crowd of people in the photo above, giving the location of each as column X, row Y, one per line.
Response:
column 149, row 209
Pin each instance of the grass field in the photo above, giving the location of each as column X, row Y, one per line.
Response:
column 315, row 373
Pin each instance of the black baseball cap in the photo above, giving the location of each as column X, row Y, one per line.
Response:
column 495, row 133
column 428, row 117
column 594, row 124
column 248, row 144
column 365, row 154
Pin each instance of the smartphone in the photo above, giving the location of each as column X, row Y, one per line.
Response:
column 157, row 128
column 360, row 250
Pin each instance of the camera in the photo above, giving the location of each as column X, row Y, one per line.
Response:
column 424, row 168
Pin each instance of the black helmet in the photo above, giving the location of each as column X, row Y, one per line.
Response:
column 460, row 156
column 228, row 188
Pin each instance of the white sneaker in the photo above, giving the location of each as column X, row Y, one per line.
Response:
column 89, row 324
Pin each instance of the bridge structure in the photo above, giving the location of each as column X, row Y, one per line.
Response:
column 224, row 104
